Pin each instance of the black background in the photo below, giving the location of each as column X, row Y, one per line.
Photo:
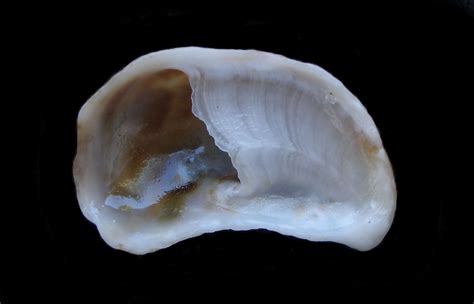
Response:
column 410, row 65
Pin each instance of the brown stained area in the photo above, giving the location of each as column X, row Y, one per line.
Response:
column 147, row 119
column 170, row 205
column 368, row 148
column 151, row 116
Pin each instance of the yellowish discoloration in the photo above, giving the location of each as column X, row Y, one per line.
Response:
column 368, row 148
column 124, row 208
column 125, row 187
column 170, row 205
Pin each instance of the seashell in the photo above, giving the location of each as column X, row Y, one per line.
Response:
column 191, row 140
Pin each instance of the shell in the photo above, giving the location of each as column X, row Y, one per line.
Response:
column 191, row 140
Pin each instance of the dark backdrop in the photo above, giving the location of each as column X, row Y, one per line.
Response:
column 410, row 65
